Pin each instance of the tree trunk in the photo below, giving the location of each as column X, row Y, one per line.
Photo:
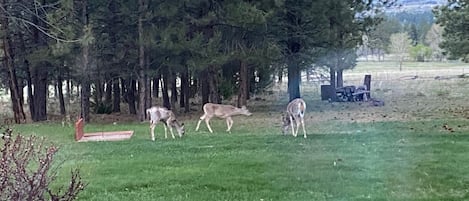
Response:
column 116, row 101
column 40, row 91
column 250, row 82
column 174, row 91
column 30, row 93
column 17, row 104
column 124, row 84
column 194, row 86
column 131, row 88
column 213, row 77
column 294, row 80
column 85, row 99
column 184, row 85
column 186, row 90
column 141, row 74
column 61, row 94
column 69, row 88
column 165, row 75
column 148, row 99
column 332, row 77
column 85, row 82
column 280, row 75
column 340, row 79
column 367, row 83
column 156, row 85
column 243, row 84
column 108, row 91
column 204, row 85
column 99, row 93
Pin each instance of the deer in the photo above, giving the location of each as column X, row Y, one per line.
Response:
column 295, row 112
column 223, row 112
column 168, row 118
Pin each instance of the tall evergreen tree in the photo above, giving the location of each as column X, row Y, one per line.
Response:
column 453, row 17
column 298, row 28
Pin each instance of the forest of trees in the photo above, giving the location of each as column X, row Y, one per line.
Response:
column 132, row 52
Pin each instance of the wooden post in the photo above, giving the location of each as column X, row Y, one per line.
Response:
column 79, row 126
column 367, row 83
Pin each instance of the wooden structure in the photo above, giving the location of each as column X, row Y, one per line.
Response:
column 347, row 93
column 81, row 136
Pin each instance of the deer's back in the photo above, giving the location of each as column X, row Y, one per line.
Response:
column 218, row 110
column 159, row 113
column 296, row 107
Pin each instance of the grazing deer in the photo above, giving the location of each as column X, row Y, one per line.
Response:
column 295, row 111
column 221, row 111
column 166, row 116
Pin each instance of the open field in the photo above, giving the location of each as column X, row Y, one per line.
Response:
column 354, row 151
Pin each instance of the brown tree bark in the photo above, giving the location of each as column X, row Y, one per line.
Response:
column 280, row 76
column 131, row 89
column 108, row 91
column 204, row 85
column 85, row 80
column 40, row 82
column 148, row 99
column 61, row 94
column 340, row 78
column 294, row 80
column 8, row 61
column 30, row 92
column 165, row 75
column 174, row 91
column 243, row 84
column 141, row 57
column 116, row 100
column 214, row 82
column 185, row 90
column 156, row 85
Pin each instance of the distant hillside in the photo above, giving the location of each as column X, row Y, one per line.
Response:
column 416, row 5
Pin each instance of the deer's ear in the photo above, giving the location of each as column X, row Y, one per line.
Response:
column 243, row 107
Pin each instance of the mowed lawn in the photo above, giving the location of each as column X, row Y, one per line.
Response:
column 352, row 161
column 416, row 147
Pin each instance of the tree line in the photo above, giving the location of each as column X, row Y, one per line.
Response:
column 131, row 52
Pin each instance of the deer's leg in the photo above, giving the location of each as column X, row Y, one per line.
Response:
column 298, row 122
column 152, row 131
column 229, row 123
column 165, row 131
column 292, row 126
column 170, row 128
column 171, row 131
column 208, row 124
column 198, row 123
column 303, row 124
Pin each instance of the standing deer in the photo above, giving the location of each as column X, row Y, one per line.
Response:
column 295, row 111
column 166, row 116
column 221, row 111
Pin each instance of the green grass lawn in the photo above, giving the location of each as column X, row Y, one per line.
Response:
column 389, row 66
column 373, row 161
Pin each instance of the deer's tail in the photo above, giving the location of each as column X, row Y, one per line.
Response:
column 302, row 107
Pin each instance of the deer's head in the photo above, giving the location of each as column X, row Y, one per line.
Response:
column 245, row 111
column 179, row 128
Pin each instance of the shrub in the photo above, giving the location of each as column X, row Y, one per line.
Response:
column 26, row 170
column 102, row 107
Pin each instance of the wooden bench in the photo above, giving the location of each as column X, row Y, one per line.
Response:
column 81, row 136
